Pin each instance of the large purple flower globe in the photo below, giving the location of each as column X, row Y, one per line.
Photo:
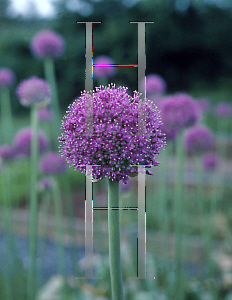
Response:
column 155, row 84
column 22, row 141
column 115, row 144
column 178, row 111
column 100, row 72
column 52, row 163
column 34, row 91
column 7, row 77
column 47, row 43
column 223, row 110
column 198, row 139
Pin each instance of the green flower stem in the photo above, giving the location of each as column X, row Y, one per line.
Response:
column 6, row 116
column 164, row 210
column 33, row 203
column 114, row 241
column 49, row 72
column 70, row 213
column 8, row 229
column 199, row 191
column 100, row 238
column 46, row 197
column 59, row 228
column 178, row 210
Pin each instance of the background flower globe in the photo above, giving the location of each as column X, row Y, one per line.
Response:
column 210, row 161
column 22, row 141
column 155, row 84
column 223, row 109
column 34, row 91
column 115, row 144
column 101, row 72
column 7, row 77
column 47, row 43
column 52, row 163
column 7, row 152
column 198, row 139
column 179, row 111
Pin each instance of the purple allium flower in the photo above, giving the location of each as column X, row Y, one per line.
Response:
column 7, row 77
column 45, row 183
column 204, row 104
column 115, row 144
column 47, row 43
column 34, row 91
column 210, row 161
column 22, row 141
column 198, row 139
column 155, row 84
column 177, row 112
column 223, row 109
column 7, row 152
column 100, row 72
column 45, row 114
column 52, row 163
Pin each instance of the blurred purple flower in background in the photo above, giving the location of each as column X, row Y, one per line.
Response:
column 155, row 84
column 47, row 43
column 7, row 152
column 45, row 114
column 7, row 77
column 204, row 104
column 22, row 141
column 223, row 109
column 210, row 161
column 198, row 139
column 45, row 183
column 34, row 91
column 115, row 144
column 178, row 112
column 100, row 72
column 52, row 163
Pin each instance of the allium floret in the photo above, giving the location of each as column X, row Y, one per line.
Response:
column 223, row 109
column 155, row 84
column 100, row 72
column 115, row 144
column 47, row 43
column 7, row 77
column 178, row 111
column 34, row 90
column 52, row 163
column 210, row 161
column 45, row 183
column 22, row 141
column 45, row 114
column 198, row 139
column 7, row 152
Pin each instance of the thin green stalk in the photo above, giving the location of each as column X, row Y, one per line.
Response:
column 6, row 116
column 178, row 209
column 114, row 241
column 33, row 204
column 199, row 192
column 100, row 237
column 163, row 208
column 70, row 212
column 49, row 72
column 59, row 229
column 44, row 211
column 8, row 231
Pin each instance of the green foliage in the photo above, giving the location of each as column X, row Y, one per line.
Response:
column 17, row 275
